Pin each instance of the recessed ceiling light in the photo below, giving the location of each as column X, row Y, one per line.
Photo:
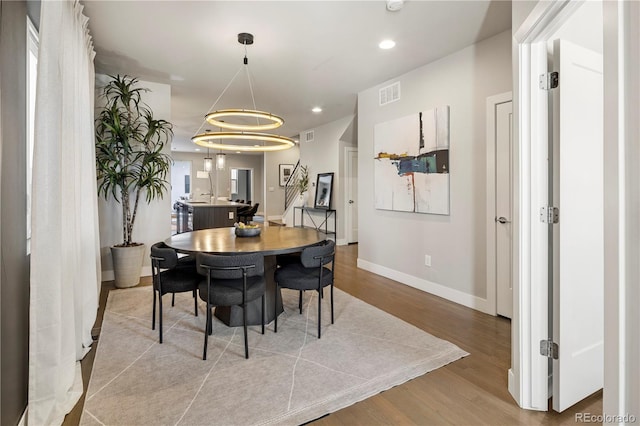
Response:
column 197, row 149
column 394, row 5
column 316, row 109
column 387, row 44
column 238, row 152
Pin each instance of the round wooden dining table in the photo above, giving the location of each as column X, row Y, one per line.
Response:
column 272, row 241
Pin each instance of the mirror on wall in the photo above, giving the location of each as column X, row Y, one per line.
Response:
column 324, row 188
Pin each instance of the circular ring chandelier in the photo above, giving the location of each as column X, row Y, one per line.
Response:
column 273, row 120
column 210, row 140
column 245, row 134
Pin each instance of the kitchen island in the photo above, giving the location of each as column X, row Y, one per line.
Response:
column 195, row 215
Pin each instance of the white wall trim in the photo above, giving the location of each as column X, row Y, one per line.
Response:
column 439, row 290
column 341, row 242
column 622, row 196
column 492, row 102
column 529, row 386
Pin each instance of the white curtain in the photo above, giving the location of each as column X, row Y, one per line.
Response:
column 65, row 261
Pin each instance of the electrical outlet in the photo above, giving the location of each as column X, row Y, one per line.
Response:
column 427, row 260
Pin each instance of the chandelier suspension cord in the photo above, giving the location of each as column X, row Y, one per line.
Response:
column 219, row 97
column 246, row 66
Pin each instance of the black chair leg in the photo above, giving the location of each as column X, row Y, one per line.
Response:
column 160, row 316
column 319, row 311
column 173, row 299
column 300, row 302
column 244, row 326
column 195, row 303
column 275, row 309
column 331, row 303
column 153, row 319
column 207, row 328
column 264, row 304
column 210, row 326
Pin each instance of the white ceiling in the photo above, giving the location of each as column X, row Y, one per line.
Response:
column 306, row 53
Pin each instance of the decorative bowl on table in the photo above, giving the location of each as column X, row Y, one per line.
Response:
column 243, row 230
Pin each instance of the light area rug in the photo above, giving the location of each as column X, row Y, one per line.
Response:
column 291, row 377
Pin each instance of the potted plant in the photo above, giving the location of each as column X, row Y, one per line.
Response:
column 303, row 184
column 130, row 165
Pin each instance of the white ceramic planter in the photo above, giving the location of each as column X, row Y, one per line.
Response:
column 127, row 265
column 302, row 199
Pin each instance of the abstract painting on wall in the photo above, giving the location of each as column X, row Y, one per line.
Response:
column 412, row 163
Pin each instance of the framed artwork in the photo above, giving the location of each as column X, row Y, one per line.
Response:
column 324, row 186
column 411, row 169
column 285, row 173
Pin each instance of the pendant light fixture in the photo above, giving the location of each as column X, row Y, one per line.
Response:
column 221, row 160
column 208, row 163
column 241, row 132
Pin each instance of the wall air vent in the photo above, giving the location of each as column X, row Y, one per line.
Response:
column 308, row 136
column 390, row 93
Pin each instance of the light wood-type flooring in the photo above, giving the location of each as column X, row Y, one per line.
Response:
column 470, row 391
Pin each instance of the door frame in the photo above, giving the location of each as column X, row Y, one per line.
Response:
column 492, row 103
column 348, row 219
column 251, row 180
column 528, row 375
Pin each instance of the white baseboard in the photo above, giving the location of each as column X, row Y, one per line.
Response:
column 108, row 275
column 277, row 217
column 457, row 296
column 511, row 383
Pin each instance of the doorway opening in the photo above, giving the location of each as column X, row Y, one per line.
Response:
column 241, row 185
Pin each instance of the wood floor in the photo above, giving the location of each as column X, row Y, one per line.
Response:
column 470, row 391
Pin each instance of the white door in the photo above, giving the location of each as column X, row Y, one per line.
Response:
column 578, row 241
column 351, row 208
column 503, row 215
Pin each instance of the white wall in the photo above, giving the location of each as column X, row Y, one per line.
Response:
column 153, row 221
column 394, row 243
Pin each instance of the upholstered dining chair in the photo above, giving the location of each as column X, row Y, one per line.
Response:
column 246, row 216
column 171, row 275
column 230, row 281
column 314, row 271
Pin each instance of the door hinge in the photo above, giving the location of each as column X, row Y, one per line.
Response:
column 549, row 80
column 549, row 214
column 549, row 349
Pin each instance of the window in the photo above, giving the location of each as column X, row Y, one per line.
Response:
column 32, row 73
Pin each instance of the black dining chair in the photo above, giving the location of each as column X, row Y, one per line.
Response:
column 246, row 216
column 231, row 281
column 171, row 274
column 314, row 271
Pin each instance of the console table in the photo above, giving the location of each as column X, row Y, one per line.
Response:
column 328, row 214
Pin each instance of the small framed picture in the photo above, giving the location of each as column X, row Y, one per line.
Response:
column 285, row 173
